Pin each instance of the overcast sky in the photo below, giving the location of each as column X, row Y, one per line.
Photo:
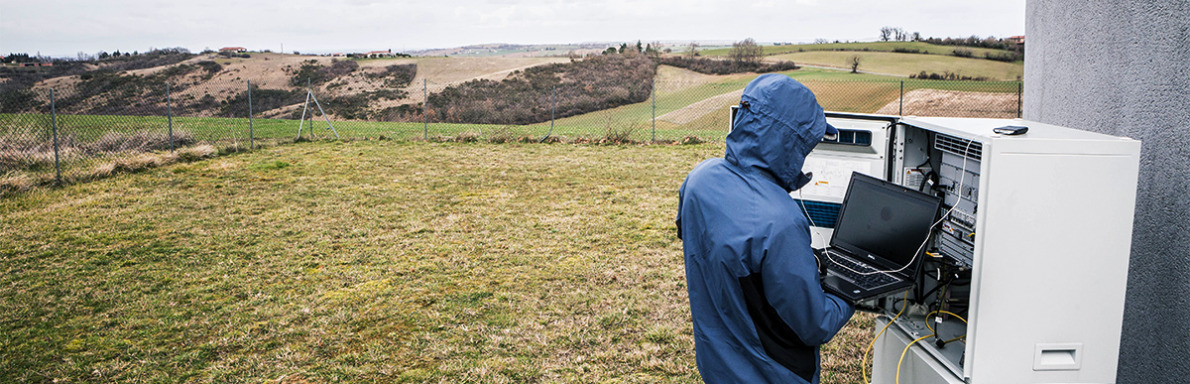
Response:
column 65, row 27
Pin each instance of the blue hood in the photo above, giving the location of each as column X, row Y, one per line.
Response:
column 778, row 124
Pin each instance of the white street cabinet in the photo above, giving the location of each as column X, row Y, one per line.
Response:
column 1024, row 276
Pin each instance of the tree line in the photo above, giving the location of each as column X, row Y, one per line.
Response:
column 991, row 42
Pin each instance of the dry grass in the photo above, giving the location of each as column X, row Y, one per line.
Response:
column 936, row 102
column 15, row 182
column 375, row 261
column 140, row 141
column 25, row 152
column 142, row 161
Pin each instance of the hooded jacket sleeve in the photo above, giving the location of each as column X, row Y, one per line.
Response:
column 788, row 267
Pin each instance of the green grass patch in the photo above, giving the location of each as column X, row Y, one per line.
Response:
column 906, row 64
column 879, row 46
column 367, row 261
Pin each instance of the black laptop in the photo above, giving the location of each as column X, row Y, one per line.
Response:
column 878, row 236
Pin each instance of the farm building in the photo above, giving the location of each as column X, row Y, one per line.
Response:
column 233, row 49
column 377, row 54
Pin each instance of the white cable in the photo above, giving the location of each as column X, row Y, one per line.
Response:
column 959, row 195
column 802, row 202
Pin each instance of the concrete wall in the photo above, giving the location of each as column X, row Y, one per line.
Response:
column 1122, row 67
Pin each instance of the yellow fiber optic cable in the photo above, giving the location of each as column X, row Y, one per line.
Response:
column 864, row 364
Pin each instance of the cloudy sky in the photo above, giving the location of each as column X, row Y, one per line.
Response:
column 65, row 27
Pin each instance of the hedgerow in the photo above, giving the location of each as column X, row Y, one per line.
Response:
column 591, row 84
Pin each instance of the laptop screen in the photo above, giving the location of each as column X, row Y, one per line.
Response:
column 880, row 219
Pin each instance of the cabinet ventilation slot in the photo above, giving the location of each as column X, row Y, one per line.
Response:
column 958, row 146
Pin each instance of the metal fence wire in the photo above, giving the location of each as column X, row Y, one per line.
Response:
column 63, row 131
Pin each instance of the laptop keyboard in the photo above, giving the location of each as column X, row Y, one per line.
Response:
column 871, row 281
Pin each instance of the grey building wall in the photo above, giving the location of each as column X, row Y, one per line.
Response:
column 1122, row 67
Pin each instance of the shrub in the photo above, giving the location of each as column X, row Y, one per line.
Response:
column 356, row 107
column 210, row 67
column 107, row 91
column 960, row 52
column 726, row 67
column 526, row 97
column 946, row 76
column 154, row 58
column 1008, row 57
column 18, row 100
column 318, row 74
column 616, row 132
column 262, row 100
column 195, row 153
column 501, row 135
column 396, row 75
column 467, row 137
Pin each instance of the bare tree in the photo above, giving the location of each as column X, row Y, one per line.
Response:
column 916, row 36
column 746, row 51
column 886, row 33
column 821, row 41
column 900, row 34
column 693, row 51
column 854, row 63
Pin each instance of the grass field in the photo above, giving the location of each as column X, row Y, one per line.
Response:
column 362, row 262
column 879, row 46
column 676, row 90
column 906, row 64
column 686, row 104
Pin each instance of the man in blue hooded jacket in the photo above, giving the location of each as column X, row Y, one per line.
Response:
column 758, row 306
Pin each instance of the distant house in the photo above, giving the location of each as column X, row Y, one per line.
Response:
column 233, row 50
column 378, row 54
column 1016, row 39
column 338, row 54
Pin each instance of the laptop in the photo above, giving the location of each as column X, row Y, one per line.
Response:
column 878, row 238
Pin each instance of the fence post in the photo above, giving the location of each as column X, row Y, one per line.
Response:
column 251, row 137
column 553, row 110
column 169, row 113
column 1020, row 89
column 653, row 85
column 554, row 107
column 54, row 117
column 425, row 119
column 901, row 107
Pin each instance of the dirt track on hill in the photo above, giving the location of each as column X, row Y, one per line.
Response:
column 692, row 112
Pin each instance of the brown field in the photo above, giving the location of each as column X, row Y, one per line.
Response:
column 935, row 102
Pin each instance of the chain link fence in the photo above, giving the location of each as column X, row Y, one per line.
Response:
column 64, row 131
